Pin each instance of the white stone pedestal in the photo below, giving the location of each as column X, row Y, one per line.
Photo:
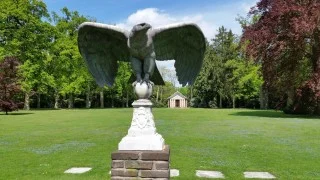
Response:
column 142, row 134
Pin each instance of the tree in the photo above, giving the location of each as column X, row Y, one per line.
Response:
column 206, row 84
column 213, row 80
column 224, row 46
column 226, row 75
column 9, row 86
column 26, row 34
column 245, row 81
column 70, row 74
column 166, row 91
column 123, row 86
column 286, row 40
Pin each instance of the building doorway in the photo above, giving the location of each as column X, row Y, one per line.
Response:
column 177, row 103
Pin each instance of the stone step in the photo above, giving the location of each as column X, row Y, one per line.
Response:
column 209, row 174
column 259, row 175
column 77, row 170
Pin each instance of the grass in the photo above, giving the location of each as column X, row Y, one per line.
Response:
column 43, row 144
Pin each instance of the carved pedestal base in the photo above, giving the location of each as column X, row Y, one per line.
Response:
column 142, row 134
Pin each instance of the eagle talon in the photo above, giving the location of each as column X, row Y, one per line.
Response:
column 136, row 82
column 149, row 83
column 152, row 84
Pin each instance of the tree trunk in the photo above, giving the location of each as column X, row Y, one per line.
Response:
column 88, row 101
column 127, row 103
column 290, row 99
column 157, row 97
column 316, row 52
column 38, row 101
column 26, row 101
column 161, row 92
column 6, row 112
column 101, row 99
column 112, row 101
column 233, row 102
column 316, row 64
column 264, row 98
column 266, row 93
column 261, row 98
column 70, row 101
column 56, row 100
column 217, row 106
column 220, row 101
column 64, row 100
column 191, row 92
column 96, row 102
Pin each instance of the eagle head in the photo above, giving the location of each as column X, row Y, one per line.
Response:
column 141, row 27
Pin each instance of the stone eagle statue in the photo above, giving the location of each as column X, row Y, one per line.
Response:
column 103, row 45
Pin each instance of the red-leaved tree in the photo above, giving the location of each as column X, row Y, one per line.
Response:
column 9, row 84
column 286, row 40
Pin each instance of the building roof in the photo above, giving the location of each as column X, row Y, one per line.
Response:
column 177, row 93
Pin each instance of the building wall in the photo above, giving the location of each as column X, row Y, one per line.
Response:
column 172, row 102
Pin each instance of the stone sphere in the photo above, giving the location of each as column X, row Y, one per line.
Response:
column 143, row 91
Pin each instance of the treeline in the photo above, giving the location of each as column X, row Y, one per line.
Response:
column 273, row 64
column 53, row 74
column 228, row 78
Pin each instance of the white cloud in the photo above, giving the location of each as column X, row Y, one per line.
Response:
column 208, row 19
column 158, row 18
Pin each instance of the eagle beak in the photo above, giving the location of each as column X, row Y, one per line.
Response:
column 144, row 26
column 141, row 27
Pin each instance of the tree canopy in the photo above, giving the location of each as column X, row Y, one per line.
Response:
column 9, row 85
column 274, row 63
column 226, row 75
column 285, row 39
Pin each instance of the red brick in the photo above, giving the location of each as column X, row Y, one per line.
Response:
column 133, row 178
column 117, row 164
column 125, row 155
column 124, row 172
column 156, row 155
column 154, row 173
column 132, row 164
column 161, row 165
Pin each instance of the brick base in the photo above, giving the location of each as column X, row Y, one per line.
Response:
column 143, row 165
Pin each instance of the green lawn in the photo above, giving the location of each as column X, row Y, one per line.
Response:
column 43, row 144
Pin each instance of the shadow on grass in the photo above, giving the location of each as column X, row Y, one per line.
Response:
column 15, row 114
column 271, row 114
column 44, row 109
column 94, row 108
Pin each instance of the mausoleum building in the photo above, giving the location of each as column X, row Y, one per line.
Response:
column 177, row 100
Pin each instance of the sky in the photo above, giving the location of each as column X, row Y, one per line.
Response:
column 209, row 15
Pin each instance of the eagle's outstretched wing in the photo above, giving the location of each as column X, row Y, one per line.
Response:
column 185, row 43
column 102, row 46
